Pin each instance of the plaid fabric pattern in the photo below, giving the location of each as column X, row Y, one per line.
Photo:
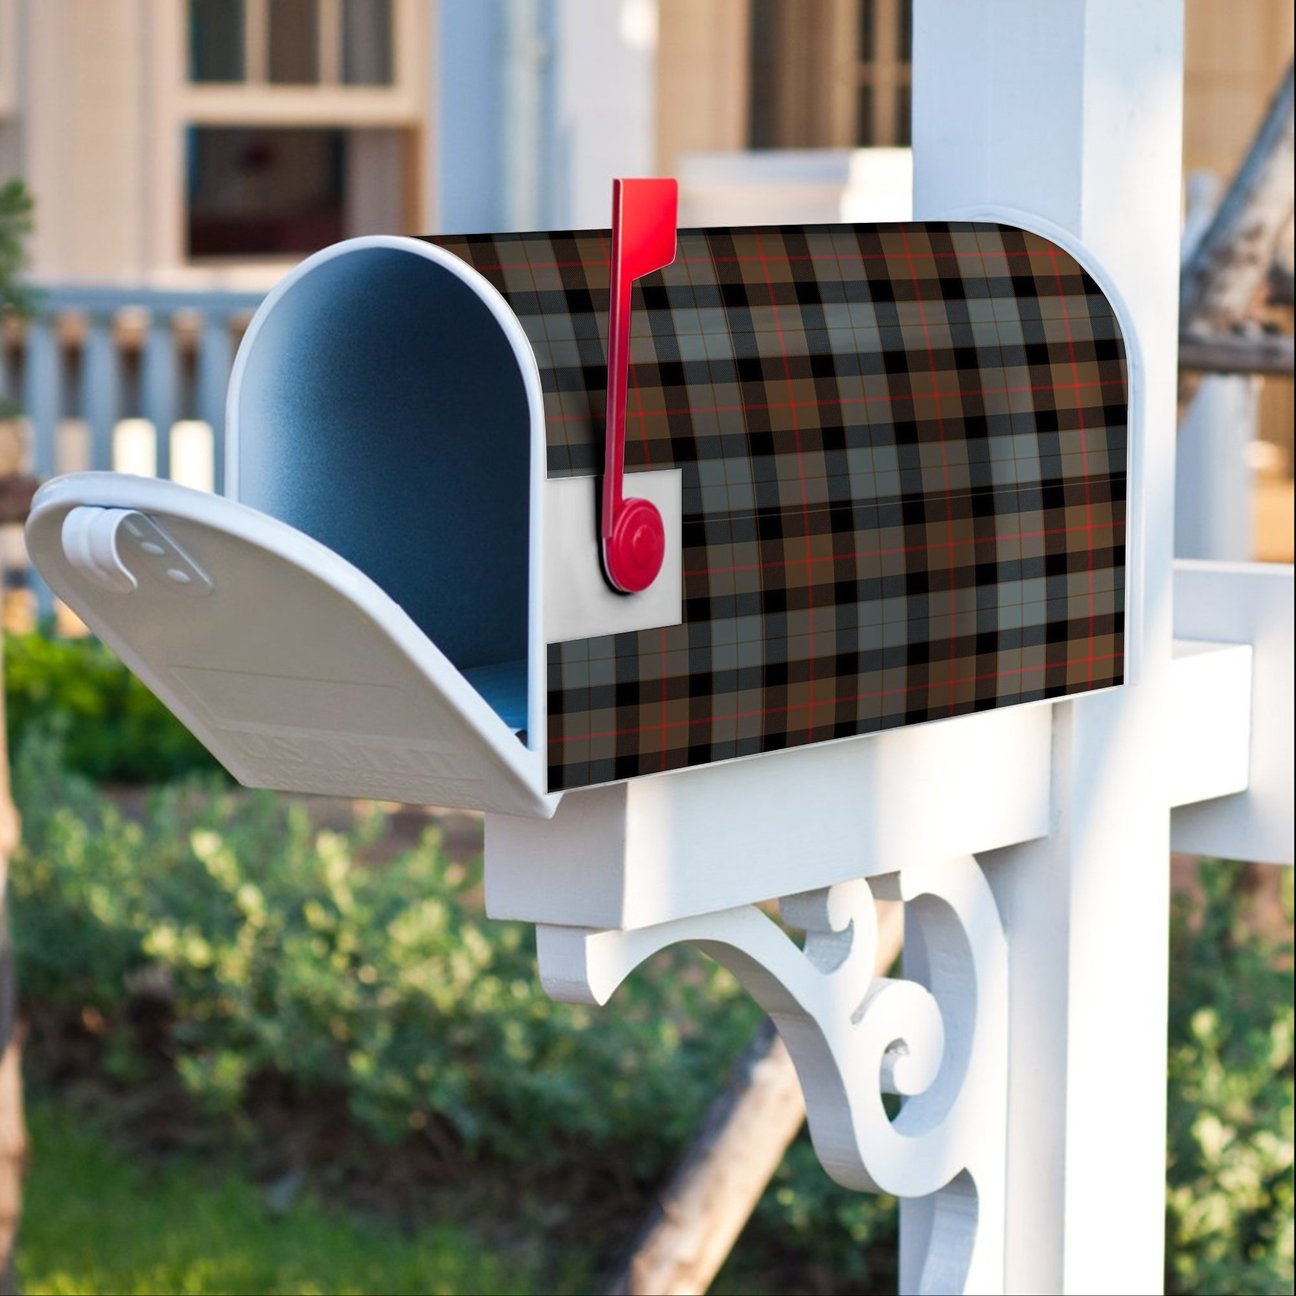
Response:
column 904, row 463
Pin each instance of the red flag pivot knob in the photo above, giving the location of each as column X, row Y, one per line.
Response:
column 633, row 553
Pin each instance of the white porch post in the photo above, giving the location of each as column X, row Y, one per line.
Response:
column 1071, row 112
column 605, row 110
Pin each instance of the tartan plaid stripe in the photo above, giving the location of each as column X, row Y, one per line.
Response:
column 904, row 459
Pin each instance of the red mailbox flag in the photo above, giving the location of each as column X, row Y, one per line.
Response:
column 643, row 240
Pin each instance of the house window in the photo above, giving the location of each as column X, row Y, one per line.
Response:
column 216, row 47
column 291, row 42
column 264, row 192
column 299, row 123
column 277, row 192
column 830, row 73
column 884, row 71
column 293, row 51
column 367, row 41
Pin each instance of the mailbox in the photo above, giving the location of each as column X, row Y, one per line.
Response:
column 889, row 464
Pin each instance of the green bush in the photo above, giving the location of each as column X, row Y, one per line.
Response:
column 113, row 728
column 282, row 953
column 1229, row 1202
column 847, row 1239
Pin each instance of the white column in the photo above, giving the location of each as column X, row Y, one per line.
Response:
column 1214, row 506
column 467, row 125
column 1071, row 113
column 606, row 104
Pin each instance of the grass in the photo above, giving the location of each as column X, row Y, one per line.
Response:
column 97, row 1221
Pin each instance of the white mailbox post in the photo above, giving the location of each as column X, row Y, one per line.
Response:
column 1073, row 112
column 1032, row 847
column 1029, row 841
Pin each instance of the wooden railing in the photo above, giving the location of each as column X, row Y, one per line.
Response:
column 125, row 379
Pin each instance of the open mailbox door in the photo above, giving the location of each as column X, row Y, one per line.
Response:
column 293, row 667
column 364, row 620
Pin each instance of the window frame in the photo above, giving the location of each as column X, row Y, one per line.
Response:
column 180, row 103
column 816, row 93
column 256, row 100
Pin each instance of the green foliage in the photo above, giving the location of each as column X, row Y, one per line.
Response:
column 16, row 207
column 112, row 727
column 94, row 1221
column 848, row 1238
column 15, row 224
column 283, row 954
column 1230, row 1198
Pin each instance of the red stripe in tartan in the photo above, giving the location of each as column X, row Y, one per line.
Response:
column 1084, row 450
column 847, row 258
column 796, row 432
column 856, row 555
column 940, row 424
column 764, row 712
column 828, row 401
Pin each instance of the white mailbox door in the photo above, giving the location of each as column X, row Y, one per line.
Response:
column 287, row 662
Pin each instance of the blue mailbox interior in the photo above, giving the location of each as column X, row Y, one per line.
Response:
column 383, row 412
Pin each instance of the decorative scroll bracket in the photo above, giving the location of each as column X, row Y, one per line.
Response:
column 937, row 1037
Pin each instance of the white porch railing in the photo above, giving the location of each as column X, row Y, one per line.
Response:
column 123, row 379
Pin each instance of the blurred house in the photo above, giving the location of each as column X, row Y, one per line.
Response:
column 214, row 141
column 202, row 146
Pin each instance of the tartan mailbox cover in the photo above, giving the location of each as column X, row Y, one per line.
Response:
column 901, row 458
column 904, row 466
